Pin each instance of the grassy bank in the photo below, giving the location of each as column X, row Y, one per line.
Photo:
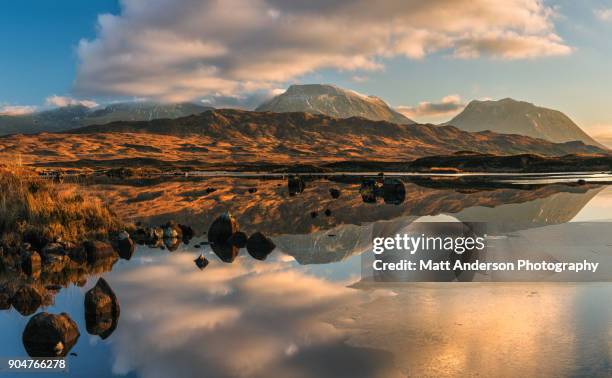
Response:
column 39, row 211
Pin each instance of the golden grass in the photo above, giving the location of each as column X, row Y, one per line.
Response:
column 31, row 206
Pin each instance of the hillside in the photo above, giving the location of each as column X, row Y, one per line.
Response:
column 332, row 101
column 237, row 137
column 518, row 117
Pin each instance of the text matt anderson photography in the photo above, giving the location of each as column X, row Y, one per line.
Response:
column 297, row 189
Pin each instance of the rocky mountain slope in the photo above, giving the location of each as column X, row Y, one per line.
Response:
column 74, row 116
column 332, row 101
column 518, row 117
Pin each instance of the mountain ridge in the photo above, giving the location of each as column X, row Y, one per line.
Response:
column 520, row 117
column 333, row 101
column 75, row 116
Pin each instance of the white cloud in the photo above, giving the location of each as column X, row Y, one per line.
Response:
column 13, row 110
column 61, row 101
column 604, row 14
column 179, row 50
column 450, row 104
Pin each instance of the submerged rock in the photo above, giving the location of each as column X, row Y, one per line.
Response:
column 188, row 232
column 97, row 251
column 334, row 192
column 226, row 252
column 126, row 248
column 26, row 300
column 295, row 185
column 222, row 229
column 238, row 239
column 394, row 191
column 49, row 335
column 201, row 262
column 101, row 310
column 259, row 246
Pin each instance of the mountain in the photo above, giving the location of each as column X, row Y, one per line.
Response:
column 74, row 116
column 235, row 137
column 518, row 117
column 332, row 101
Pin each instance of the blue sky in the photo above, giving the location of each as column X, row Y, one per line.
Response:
column 557, row 54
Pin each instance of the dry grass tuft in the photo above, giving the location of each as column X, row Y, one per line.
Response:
column 33, row 208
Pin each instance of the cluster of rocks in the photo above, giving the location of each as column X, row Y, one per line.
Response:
column 391, row 190
column 226, row 240
column 32, row 276
column 169, row 235
column 54, row 335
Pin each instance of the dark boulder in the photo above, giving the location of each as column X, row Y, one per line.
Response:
column 187, row 231
column 225, row 251
column 394, row 191
column 222, row 229
column 50, row 335
column 252, row 190
column 259, row 246
column 238, row 239
column 328, row 212
column 201, row 262
column 334, row 192
column 31, row 263
column 126, row 248
column 101, row 310
column 78, row 255
column 98, row 251
column 295, row 185
column 27, row 300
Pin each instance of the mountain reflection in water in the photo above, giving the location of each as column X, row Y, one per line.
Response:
column 305, row 312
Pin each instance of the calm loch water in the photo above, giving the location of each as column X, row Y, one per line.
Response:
column 306, row 312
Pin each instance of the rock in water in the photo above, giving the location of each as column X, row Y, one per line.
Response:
column 125, row 248
column 187, row 231
column 50, row 335
column 97, row 250
column 259, row 246
column 394, row 191
column 334, row 192
column 101, row 310
column 238, row 239
column 226, row 252
column 295, row 185
column 222, row 229
column 27, row 300
column 201, row 262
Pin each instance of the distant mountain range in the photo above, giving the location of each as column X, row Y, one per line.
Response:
column 332, row 101
column 71, row 117
column 519, row 117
